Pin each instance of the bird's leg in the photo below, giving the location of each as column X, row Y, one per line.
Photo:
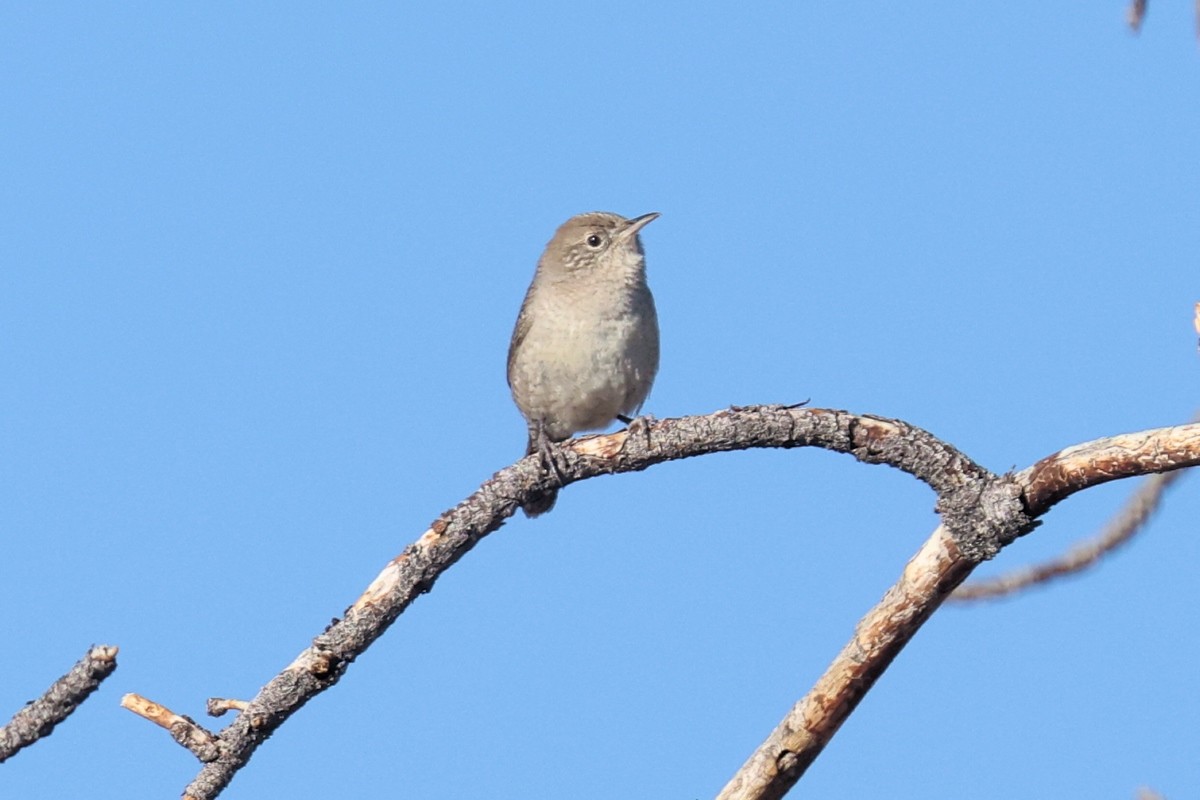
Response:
column 550, row 458
column 548, row 451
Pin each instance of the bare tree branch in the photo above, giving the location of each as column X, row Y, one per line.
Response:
column 1058, row 476
column 184, row 730
column 413, row 572
column 935, row 571
column 38, row 717
column 782, row 759
column 1128, row 523
column 1138, row 510
column 218, row 706
column 981, row 513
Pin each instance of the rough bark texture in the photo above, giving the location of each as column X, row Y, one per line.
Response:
column 38, row 717
column 874, row 440
column 1119, row 531
column 981, row 513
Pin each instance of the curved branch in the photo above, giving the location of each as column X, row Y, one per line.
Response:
column 38, row 717
column 1056, row 477
column 873, row 440
column 981, row 513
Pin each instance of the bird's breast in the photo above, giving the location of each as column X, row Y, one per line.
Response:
column 587, row 358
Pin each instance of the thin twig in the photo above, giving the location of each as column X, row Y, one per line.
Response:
column 218, row 706
column 184, row 730
column 38, row 717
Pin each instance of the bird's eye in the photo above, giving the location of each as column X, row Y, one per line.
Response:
column 594, row 240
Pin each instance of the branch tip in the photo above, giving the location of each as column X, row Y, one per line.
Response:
column 39, row 717
column 219, row 706
column 202, row 743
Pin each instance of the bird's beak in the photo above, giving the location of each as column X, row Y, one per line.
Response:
column 637, row 223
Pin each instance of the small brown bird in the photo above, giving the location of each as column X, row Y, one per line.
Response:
column 585, row 348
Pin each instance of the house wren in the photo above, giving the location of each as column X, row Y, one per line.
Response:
column 585, row 348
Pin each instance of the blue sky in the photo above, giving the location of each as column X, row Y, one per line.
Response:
column 259, row 265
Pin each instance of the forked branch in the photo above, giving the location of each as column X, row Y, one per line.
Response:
column 981, row 513
column 935, row 571
column 1130, row 521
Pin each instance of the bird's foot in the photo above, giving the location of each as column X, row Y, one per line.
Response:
column 638, row 426
column 552, row 458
